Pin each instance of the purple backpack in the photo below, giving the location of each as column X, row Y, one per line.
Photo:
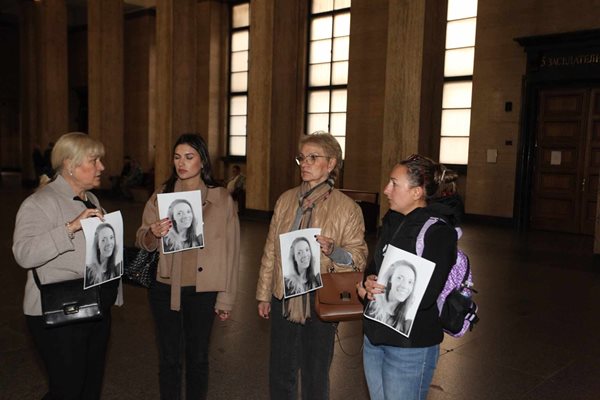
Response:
column 458, row 311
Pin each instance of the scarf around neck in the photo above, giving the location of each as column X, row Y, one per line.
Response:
column 297, row 309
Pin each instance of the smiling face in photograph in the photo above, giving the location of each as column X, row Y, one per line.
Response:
column 182, row 216
column 402, row 282
column 106, row 242
column 302, row 255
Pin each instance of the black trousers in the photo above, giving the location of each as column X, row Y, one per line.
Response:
column 308, row 348
column 183, row 332
column 74, row 357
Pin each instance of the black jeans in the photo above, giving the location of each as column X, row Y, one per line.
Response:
column 183, row 332
column 308, row 348
column 74, row 356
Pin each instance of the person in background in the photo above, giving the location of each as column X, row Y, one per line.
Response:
column 48, row 237
column 195, row 285
column 236, row 186
column 396, row 366
column 299, row 340
column 38, row 161
column 133, row 177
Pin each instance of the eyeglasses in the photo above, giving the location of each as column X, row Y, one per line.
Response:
column 310, row 159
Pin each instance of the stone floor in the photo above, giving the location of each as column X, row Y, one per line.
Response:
column 538, row 338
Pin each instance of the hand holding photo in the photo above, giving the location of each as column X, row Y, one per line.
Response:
column 104, row 249
column 405, row 277
column 184, row 210
column 300, row 260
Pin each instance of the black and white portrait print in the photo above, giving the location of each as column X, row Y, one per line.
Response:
column 184, row 209
column 301, row 260
column 104, row 249
column 405, row 277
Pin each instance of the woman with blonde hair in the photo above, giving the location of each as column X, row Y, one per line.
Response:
column 48, row 238
column 299, row 340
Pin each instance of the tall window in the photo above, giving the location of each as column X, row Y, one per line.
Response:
column 329, row 42
column 238, row 78
column 458, row 81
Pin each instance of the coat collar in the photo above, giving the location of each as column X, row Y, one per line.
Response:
column 208, row 196
column 60, row 185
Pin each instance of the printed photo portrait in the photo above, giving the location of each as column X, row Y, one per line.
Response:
column 104, row 249
column 301, row 261
column 405, row 277
column 184, row 209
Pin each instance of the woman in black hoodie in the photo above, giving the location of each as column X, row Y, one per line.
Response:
column 399, row 367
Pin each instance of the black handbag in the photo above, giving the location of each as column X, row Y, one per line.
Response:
column 140, row 267
column 67, row 302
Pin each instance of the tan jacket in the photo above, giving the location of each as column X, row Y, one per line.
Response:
column 41, row 240
column 216, row 265
column 339, row 218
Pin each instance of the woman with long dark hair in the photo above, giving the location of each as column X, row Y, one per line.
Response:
column 183, row 234
column 103, row 266
column 195, row 285
column 303, row 277
column 392, row 306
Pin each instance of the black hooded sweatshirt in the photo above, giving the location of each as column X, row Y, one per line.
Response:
column 440, row 247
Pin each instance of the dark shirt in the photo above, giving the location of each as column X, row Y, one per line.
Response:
column 440, row 247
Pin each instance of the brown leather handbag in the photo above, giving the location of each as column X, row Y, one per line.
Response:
column 337, row 300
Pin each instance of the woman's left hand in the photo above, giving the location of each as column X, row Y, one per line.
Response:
column 223, row 314
column 327, row 244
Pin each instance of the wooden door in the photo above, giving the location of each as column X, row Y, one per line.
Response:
column 567, row 160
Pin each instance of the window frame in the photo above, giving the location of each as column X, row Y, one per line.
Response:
column 331, row 87
column 230, row 94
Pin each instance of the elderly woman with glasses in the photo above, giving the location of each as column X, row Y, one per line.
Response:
column 299, row 340
column 396, row 366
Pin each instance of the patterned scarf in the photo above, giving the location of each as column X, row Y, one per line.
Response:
column 297, row 309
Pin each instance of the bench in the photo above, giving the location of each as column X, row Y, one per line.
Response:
column 369, row 204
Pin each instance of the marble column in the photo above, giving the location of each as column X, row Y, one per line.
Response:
column 409, row 102
column 213, row 37
column 44, row 87
column 276, row 98
column 176, row 81
column 29, row 77
column 105, row 80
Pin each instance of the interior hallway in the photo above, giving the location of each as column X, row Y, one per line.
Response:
column 537, row 339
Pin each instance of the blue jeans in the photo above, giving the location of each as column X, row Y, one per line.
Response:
column 398, row 372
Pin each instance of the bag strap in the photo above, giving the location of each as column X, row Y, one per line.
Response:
column 420, row 245
column 36, row 278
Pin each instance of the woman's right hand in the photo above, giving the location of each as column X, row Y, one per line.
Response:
column 75, row 225
column 264, row 309
column 372, row 287
column 161, row 227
